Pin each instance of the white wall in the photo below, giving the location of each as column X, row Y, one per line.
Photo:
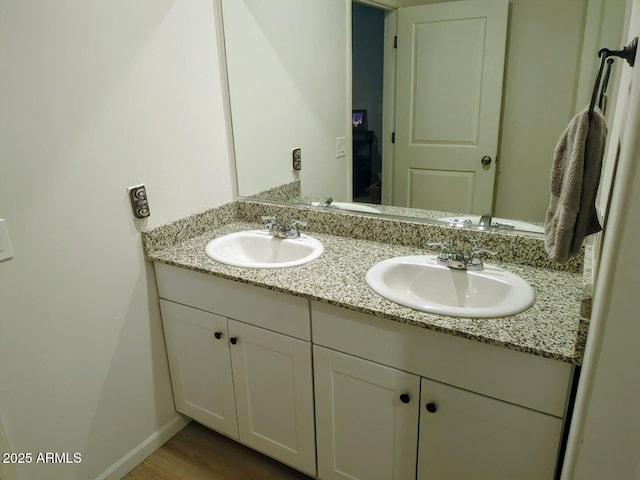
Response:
column 605, row 430
column 288, row 84
column 97, row 96
column 604, row 26
column 541, row 75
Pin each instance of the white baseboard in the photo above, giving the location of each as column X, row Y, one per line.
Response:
column 145, row 448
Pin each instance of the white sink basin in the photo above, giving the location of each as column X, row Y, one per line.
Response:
column 258, row 249
column 354, row 207
column 419, row 282
column 495, row 222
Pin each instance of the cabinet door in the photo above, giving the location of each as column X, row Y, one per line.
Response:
column 465, row 436
column 274, row 394
column 200, row 366
column 365, row 429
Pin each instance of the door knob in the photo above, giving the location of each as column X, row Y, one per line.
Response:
column 233, row 340
column 432, row 407
column 486, row 160
column 218, row 335
column 404, row 398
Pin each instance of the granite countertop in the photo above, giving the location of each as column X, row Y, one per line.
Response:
column 292, row 193
column 552, row 328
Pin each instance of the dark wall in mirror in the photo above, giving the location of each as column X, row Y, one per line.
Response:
column 367, row 41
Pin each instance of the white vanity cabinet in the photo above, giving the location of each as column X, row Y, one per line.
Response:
column 274, row 394
column 464, row 435
column 367, row 418
column 246, row 381
column 200, row 363
column 485, row 413
column 391, row 401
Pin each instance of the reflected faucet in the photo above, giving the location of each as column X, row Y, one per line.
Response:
column 485, row 221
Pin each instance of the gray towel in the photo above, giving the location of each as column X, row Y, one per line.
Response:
column 575, row 177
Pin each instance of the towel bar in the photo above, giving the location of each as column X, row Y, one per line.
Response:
column 628, row 53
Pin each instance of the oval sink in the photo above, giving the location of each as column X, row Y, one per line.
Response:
column 258, row 249
column 353, row 207
column 419, row 282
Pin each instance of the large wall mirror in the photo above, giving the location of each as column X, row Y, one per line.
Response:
column 460, row 120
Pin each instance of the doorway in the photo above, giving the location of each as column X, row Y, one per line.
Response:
column 427, row 137
column 368, row 35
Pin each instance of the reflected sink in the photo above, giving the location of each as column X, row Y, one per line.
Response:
column 419, row 282
column 354, row 207
column 495, row 223
column 258, row 249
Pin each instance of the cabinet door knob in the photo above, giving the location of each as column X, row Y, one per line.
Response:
column 233, row 340
column 218, row 335
column 404, row 398
column 432, row 407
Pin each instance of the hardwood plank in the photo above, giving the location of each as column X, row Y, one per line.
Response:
column 198, row 453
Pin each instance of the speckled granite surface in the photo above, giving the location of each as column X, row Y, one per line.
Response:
column 512, row 247
column 288, row 192
column 552, row 328
column 188, row 227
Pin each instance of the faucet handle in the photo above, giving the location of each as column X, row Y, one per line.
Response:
column 293, row 228
column 482, row 251
column 475, row 259
column 444, row 254
column 443, row 245
column 271, row 222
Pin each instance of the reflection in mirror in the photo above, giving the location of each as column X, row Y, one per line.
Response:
column 288, row 90
column 292, row 86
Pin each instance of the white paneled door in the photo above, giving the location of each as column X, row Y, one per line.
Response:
column 466, row 436
column 200, row 363
column 273, row 382
column 366, row 418
column 450, row 66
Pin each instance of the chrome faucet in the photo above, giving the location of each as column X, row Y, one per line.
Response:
column 457, row 260
column 281, row 230
column 325, row 202
column 485, row 221
column 503, row 225
column 475, row 262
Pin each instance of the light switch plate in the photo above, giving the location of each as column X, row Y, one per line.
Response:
column 6, row 251
column 341, row 147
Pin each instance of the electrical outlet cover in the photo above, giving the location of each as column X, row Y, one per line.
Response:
column 296, row 157
column 139, row 201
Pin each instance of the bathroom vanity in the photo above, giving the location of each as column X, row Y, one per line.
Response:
column 309, row 366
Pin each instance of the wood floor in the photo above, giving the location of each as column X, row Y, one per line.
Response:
column 197, row 453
